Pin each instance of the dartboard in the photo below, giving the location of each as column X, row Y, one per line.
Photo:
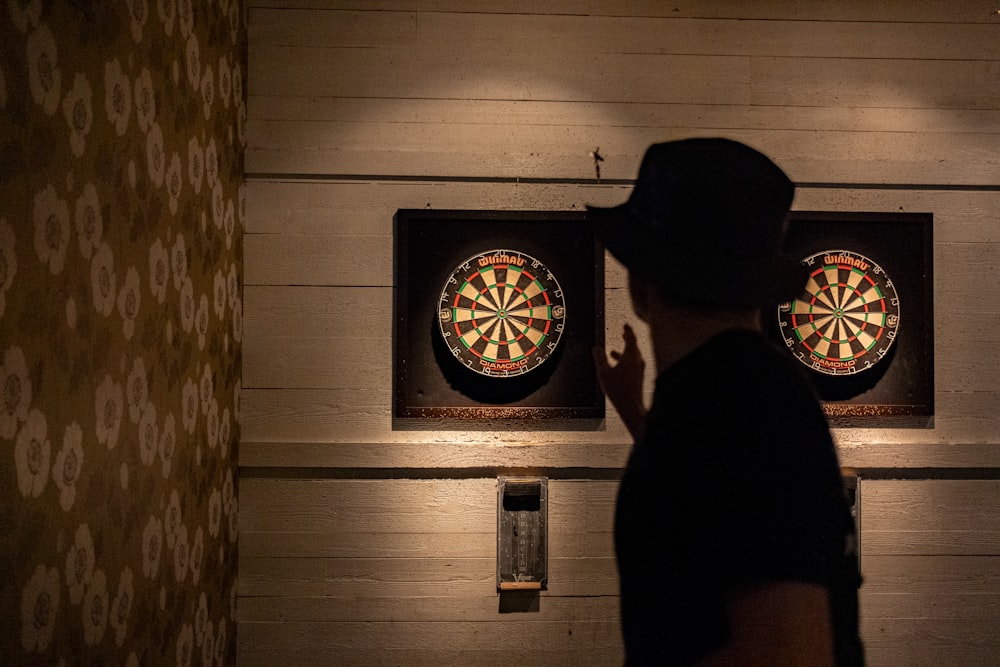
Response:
column 501, row 313
column 846, row 319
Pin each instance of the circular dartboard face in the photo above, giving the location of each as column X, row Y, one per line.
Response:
column 846, row 318
column 502, row 313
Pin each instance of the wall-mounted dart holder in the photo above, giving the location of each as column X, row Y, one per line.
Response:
column 522, row 533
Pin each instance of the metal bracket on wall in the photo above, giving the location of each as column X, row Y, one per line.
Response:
column 522, row 533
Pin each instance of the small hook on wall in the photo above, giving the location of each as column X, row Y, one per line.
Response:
column 598, row 159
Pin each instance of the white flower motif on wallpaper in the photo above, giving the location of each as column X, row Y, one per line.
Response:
column 121, row 606
column 68, row 465
column 166, row 10
column 159, row 270
column 196, row 164
column 187, row 304
column 225, row 432
column 207, row 91
column 185, row 644
column 225, row 81
column 137, row 389
column 219, row 294
column 51, row 220
column 193, row 62
column 178, row 261
column 129, row 300
column 102, row 279
column 174, row 182
column 229, row 222
column 189, row 405
column 44, row 77
column 89, row 220
column 168, row 439
column 138, row 14
column 201, row 321
column 145, row 100
column 39, row 606
column 172, row 519
column 182, row 554
column 108, row 408
column 80, row 563
column 149, row 436
column 211, row 163
column 152, row 546
column 185, row 11
column 16, row 392
column 95, row 609
column 118, row 96
column 218, row 205
column 79, row 117
column 156, row 160
column 115, row 382
column 197, row 554
column 31, row 455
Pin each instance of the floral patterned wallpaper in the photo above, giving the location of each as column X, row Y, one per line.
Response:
column 122, row 133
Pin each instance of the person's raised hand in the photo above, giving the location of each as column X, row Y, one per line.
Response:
column 622, row 381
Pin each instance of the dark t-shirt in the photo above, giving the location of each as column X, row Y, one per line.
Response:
column 736, row 482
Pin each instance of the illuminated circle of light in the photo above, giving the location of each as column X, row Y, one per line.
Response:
column 501, row 313
column 846, row 319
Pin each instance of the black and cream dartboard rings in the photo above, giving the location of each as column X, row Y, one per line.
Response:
column 846, row 319
column 502, row 313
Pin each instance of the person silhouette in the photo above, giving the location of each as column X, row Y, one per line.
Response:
column 733, row 536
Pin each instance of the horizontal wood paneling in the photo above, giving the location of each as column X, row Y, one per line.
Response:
column 554, row 449
column 950, row 507
column 932, row 642
column 294, row 348
column 356, row 111
column 431, row 608
column 511, row 152
column 957, row 11
column 931, row 571
column 371, row 113
column 683, row 74
column 318, row 208
column 423, row 557
column 522, row 642
column 396, row 566
column 341, row 234
column 588, row 34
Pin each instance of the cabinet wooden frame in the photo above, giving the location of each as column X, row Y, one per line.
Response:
column 563, row 392
column 899, row 391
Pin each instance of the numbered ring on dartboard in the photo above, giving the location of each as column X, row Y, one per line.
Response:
column 502, row 313
column 846, row 319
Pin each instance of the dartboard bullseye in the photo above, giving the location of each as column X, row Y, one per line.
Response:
column 846, row 319
column 502, row 313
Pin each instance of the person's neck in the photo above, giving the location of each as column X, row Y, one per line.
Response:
column 677, row 331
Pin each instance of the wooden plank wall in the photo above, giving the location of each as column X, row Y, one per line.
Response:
column 362, row 544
